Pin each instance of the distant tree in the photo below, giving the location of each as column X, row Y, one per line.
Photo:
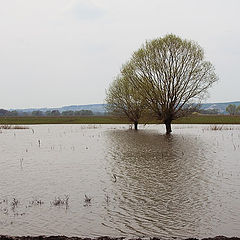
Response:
column 48, row 113
column 55, row 113
column 37, row 113
column 101, row 113
column 238, row 109
column 124, row 100
column 83, row 113
column 171, row 74
column 68, row 113
column 12, row 113
column 3, row 112
column 86, row 112
column 232, row 109
column 24, row 114
column 213, row 111
column 77, row 113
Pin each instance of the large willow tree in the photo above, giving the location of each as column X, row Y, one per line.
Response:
column 171, row 74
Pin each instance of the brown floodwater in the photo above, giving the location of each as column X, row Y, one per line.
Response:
column 141, row 183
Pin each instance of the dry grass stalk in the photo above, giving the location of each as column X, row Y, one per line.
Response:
column 220, row 127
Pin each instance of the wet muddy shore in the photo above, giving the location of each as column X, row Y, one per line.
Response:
column 2, row 237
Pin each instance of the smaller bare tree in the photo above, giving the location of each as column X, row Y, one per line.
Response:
column 232, row 109
column 123, row 100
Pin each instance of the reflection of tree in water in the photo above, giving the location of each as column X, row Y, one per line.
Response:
column 160, row 180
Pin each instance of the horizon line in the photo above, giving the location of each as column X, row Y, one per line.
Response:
column 21, row 108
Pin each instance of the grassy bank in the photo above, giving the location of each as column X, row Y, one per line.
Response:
column 195, row 119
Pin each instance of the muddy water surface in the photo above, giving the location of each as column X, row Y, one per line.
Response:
column 140, row 183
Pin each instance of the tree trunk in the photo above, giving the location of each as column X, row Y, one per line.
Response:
column 136, row 125
column 168, row 126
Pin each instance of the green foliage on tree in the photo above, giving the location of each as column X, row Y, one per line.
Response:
column 170, row 74
column 55, row 113
column 83, row 113
column 124, row 100
column 68, row 113
column 37, row 113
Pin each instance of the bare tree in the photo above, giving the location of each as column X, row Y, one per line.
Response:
column 123, row 99
column 171, row 74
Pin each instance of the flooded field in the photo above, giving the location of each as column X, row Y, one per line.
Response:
column 95, row 180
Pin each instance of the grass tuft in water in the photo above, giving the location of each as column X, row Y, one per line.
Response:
column 15, row 202
column 61, row 201
column 220, row 128
column 8, row 127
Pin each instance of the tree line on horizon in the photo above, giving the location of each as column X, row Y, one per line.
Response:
column 232, row 109
column 39, row 113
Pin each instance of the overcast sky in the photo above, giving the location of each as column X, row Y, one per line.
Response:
column 65, row 52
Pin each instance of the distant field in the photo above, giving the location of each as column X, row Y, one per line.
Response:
column 61, row 120
column 196, row 119
column 209, row 119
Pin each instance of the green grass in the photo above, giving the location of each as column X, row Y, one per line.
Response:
column 194, row 119
column 209, row 119
column 61, row 120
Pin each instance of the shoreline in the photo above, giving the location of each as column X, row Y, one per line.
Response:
column 6, row 237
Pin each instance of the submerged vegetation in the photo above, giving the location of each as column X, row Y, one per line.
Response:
column 61, row 201
column 6, row 126
column 220, row 127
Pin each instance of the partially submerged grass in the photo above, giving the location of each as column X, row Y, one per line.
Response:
column 220, row 128
column 61, row 201
column 87, row 200
column 7, row 127
column 36, row 202
column 216, row 127
column 14, row 203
